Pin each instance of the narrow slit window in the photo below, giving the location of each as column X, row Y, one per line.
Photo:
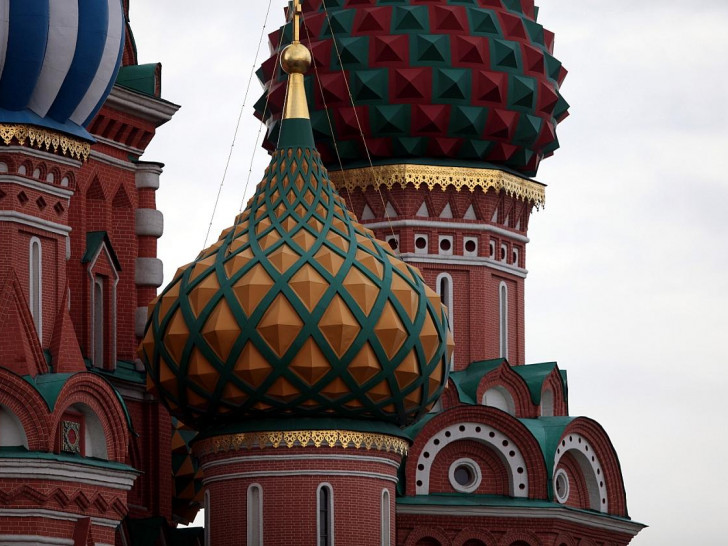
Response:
column 325, row 516
column 503, row 319
column 36, row 285
column 255, row 515
column 386, row 519
column 98, row 324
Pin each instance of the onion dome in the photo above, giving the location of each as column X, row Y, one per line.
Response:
column 58, row 62
column 469, row 83
column 187, row 498
column 297, row 310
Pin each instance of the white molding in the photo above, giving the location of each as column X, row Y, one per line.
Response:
column 24, row 540
column 255, row 540
column 149, row 223
column 274, row 458
column 496, row 442
column 386, row 518
column 43, row 155
column 463, row 260
column 34, row 469
column 31, row 183
column 113, row 161
column 34, row 222
column 140, row 321
column 594, row 521
column 31, row 281
column 148, row 108
column 119, row 145
column 332, row 521
column 149, row 272
column 598, row 491
column 55, row 514
column 435, row 225
column 503, row 319
column 147, row 175
column 474, row 467
column 302, row 472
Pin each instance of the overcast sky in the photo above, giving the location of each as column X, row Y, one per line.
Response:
column 628, row 262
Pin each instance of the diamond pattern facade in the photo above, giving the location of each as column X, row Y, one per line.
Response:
column 297, row 309
column 469, row 80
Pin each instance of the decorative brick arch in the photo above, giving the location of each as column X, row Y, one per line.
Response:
column 89, row 390
column 505, row 427
column 418, row 533
column 565, row 539
column 449, row 397
column 472, row 533
column 9, row 160
column 503, row 376
column 591, row 431
column 554, row 383
column 21, row 398
column 524, row 536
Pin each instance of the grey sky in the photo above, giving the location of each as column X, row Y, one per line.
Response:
column 627, row 286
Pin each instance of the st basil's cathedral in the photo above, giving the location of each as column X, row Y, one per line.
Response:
column 346, row 363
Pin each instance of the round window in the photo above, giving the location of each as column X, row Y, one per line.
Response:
column 393, row 243
column 465, row 476
column 470, row 246
column 445, row 245
column 421, row 243
column 561, row 486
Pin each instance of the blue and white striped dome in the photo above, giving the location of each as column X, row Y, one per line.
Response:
column 58, row 61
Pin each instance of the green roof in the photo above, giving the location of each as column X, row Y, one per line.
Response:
column 141, row 78
column 534, row 375
column 467, row 380
column 22, row 453
column 94, row 240
column 49, row 386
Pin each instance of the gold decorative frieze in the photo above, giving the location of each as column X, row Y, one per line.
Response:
column 43, row 139
column 302, row 438
column 430, row 175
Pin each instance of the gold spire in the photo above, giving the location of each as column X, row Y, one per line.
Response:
column 295, row 61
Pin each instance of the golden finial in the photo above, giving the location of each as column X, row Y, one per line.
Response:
column 295, row 61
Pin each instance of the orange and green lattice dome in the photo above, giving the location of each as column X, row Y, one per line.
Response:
column 464, row 82
column 297, row 311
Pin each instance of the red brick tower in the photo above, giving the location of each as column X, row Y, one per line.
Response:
column 82, row 446
column 432, row 118
column 298, row 345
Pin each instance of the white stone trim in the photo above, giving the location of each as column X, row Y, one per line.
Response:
column 331, row 522
column 594, row 521
column 113, row 161
column 503, row 320
column 43, row 155
column 149, row 272
column 34, row 222
column 440, row 440
column 147, row 175
column 55, row 514
column 474, row 467
column 149, row 222
column 112, row 303
column 386, row 518
column 140, row 321
column 33, row 184
column 119, row 145
column 591, row 468
column 302, row 472
column 32, row 296
column 34, row 469
column 258, row 515
column 148, row 108
column 24, row 540
column 435, row 225
column 561, row 474
column 464, row 260
column 286, row 458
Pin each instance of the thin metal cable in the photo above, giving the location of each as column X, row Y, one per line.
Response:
column 237, row 127
column 328, row 118
column 377, row 180
column 262, row 116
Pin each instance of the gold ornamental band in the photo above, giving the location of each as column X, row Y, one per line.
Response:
column 430, row 175
column 301, row 438
column 43, row 139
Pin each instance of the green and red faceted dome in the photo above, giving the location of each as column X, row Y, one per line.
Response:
column 297, row 311
column 469, row 81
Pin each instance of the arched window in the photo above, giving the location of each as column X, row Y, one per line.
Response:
column 325, row 524
column 499, row 397
column 206, row 508
column 503, row 319
column 444, row 286
column 12, row 433
column 255, row 515
column 36, row 285
column 386, row 519
column 98, row 322
column 547, row 403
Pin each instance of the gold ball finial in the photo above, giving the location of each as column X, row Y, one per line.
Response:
column 296, row 59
